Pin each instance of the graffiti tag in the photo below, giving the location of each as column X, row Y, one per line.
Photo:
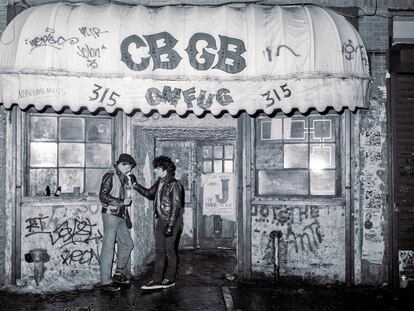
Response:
column 36, row 225
column 50, row 39
column 79, row 256
column 79, row 232
column 94, row 32
column 90, row 54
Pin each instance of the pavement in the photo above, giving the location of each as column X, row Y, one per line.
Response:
column 206, row 280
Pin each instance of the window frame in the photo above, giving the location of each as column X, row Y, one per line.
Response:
column 223, row 159
column 339, row 158
column 65, row 114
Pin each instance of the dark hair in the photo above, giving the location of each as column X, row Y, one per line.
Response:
column 165, row 163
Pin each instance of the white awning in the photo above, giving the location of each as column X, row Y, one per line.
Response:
column 255, row 58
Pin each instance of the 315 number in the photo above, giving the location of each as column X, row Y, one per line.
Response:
column 273, row 95
column 100, row 93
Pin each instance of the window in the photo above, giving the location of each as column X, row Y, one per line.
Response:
column 297, row 155
column 218, row 158
column 69, row 151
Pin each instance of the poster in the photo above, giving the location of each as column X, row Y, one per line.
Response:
column 219, row 195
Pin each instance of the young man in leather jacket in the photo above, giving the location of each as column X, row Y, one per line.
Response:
column 115, row 197
column 168, row 196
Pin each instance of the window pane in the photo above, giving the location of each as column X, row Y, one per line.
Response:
column 70, row 178
column 269, row 156
column 295, row 129
column 43, row 154
column 41, row 178
column 218, row 152
column 228, row 152
column 43, row 128
column 283, row 182
column 295, row 156
column 94, row 178
column 207, row 152
column 322, row 182
column 71, row 155
column 72, row 129
column 98, row 130
column 98, row 155
column 218, row 166
column 271, row 129
column 322, row 156
column 207, row 166
column 322, row 129
column 228, row 166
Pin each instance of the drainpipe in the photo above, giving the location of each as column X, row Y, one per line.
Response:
column 39, row 256
column 275, row 236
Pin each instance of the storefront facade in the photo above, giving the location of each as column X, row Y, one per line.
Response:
column 275, row 116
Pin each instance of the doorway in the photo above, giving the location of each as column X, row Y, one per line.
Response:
column 206, row 167
column 402, row 161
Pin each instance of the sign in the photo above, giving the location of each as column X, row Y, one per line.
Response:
column 182, row 59
column 219, row 195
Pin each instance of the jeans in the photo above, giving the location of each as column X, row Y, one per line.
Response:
column 114, row 229
column 165, row 253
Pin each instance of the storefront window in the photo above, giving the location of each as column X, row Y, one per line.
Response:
column 297, row 155
column 67, row 151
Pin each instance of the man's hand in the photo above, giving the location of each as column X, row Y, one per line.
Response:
column 132, row 178
column 127, row 201
column 168, row 231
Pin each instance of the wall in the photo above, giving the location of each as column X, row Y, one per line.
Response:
column 71, row 232
column 2, row 193
column 305, row 247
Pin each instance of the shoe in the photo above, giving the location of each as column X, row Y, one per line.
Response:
column 111, row 287
column 167, row 283
column 120, row 278
column 152, row 285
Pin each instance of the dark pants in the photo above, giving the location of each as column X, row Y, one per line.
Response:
column 165, row 252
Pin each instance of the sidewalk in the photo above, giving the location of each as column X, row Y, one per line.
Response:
column 204, row 282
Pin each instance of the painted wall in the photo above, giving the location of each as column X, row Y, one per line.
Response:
column 311, row 246
column 71, row 232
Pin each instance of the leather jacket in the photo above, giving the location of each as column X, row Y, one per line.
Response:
column 112, row 192
column 171, row 198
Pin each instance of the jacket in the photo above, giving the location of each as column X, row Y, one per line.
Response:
column 171, row 199
column 112, row 192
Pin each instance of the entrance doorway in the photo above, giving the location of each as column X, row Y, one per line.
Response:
column 207, row 170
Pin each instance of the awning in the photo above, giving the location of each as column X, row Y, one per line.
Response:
column 251, row 58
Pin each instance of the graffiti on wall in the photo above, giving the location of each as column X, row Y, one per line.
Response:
column 298, row 240
column 78, row 239
column 301, row 227
column 72, row 236
column 406, row 260
column 372, row 195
